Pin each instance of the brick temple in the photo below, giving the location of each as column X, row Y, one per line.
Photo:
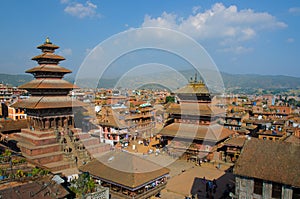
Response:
column 51, row 139
column 192, row 129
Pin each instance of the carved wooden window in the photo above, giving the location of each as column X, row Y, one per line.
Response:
column 276, row 190
column 258, row 186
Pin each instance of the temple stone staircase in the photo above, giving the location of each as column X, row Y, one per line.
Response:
column 59, row 151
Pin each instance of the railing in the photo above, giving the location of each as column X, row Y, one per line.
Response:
column 144, row 195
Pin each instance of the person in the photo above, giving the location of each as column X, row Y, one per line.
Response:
column 76, row 159
column 204, row 180
column 214, row 185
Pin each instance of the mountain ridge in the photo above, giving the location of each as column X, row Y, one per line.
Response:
column 231, row 81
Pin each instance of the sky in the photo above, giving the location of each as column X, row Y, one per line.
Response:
column 242, row 37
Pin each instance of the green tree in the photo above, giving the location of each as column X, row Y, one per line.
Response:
column 83, row 185
column 170, row 99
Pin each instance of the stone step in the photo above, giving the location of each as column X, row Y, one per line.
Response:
column 36, row 140
column 46, row 158
column 30, row 149
column 54, row 167
column 90, row 141
column 39, row 134
column 82, row 135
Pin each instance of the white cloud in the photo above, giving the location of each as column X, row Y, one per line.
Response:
column 195, row 9
column 227, row 24
column 218, row 22
column 294, row 10
column 290, row 40
column 66, row 52
column 64, row 1
column 236, row 49
column 81, row 10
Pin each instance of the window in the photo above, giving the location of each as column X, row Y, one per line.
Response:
column 258, row 186
column 276, row 190
column 296, row 193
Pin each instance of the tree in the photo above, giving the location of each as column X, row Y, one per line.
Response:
column 170, row 99
column 83, row 185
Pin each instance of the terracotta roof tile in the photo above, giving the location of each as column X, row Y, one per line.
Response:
column 195, row 88
column 48, row 83
column 194, row 109
column 12, row 125
column 214, row 132
column 235, row 141
column 48, row 56
column 271, row 161
column 49, row 68
column 124, row 169
column 36, row 102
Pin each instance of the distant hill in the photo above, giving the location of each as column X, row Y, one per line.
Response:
column 231, row 81
column 260, row 81
column 15, row 80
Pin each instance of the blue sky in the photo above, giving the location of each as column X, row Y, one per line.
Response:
column 256, row 37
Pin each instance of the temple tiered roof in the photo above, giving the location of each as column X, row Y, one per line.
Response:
column 48, row 89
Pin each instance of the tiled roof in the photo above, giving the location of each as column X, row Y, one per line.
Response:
column 48, row 56
column 12, row 125
column 235, row 141
column 49, row 68
column 48, row 45
column 37, row 102
column 214, row 132
column 271, row 161
column 112, row 121
column 195, row 88
column 33, row 189
column 124, row 169
column 194, row 109
column 293, row 139
column 48, row 83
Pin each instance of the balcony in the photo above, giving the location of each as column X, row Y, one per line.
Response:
column 143, row 195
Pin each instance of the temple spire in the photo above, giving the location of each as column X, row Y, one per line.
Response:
column 48, row 41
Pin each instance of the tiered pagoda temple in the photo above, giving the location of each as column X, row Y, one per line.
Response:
column 192, row 129
column 49, row 105
column 52, row 139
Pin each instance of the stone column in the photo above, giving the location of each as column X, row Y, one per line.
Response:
column 267, row 190
column 287, row 192
column 47, row 123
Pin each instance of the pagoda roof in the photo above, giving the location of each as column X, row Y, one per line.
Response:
column 47, row 45
column 203, row 109
column 49, row 68
column 48, row 56
column 40, row 102
column 48, row 83
column 125, row 169
column 193, row 88
column 213, row 132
